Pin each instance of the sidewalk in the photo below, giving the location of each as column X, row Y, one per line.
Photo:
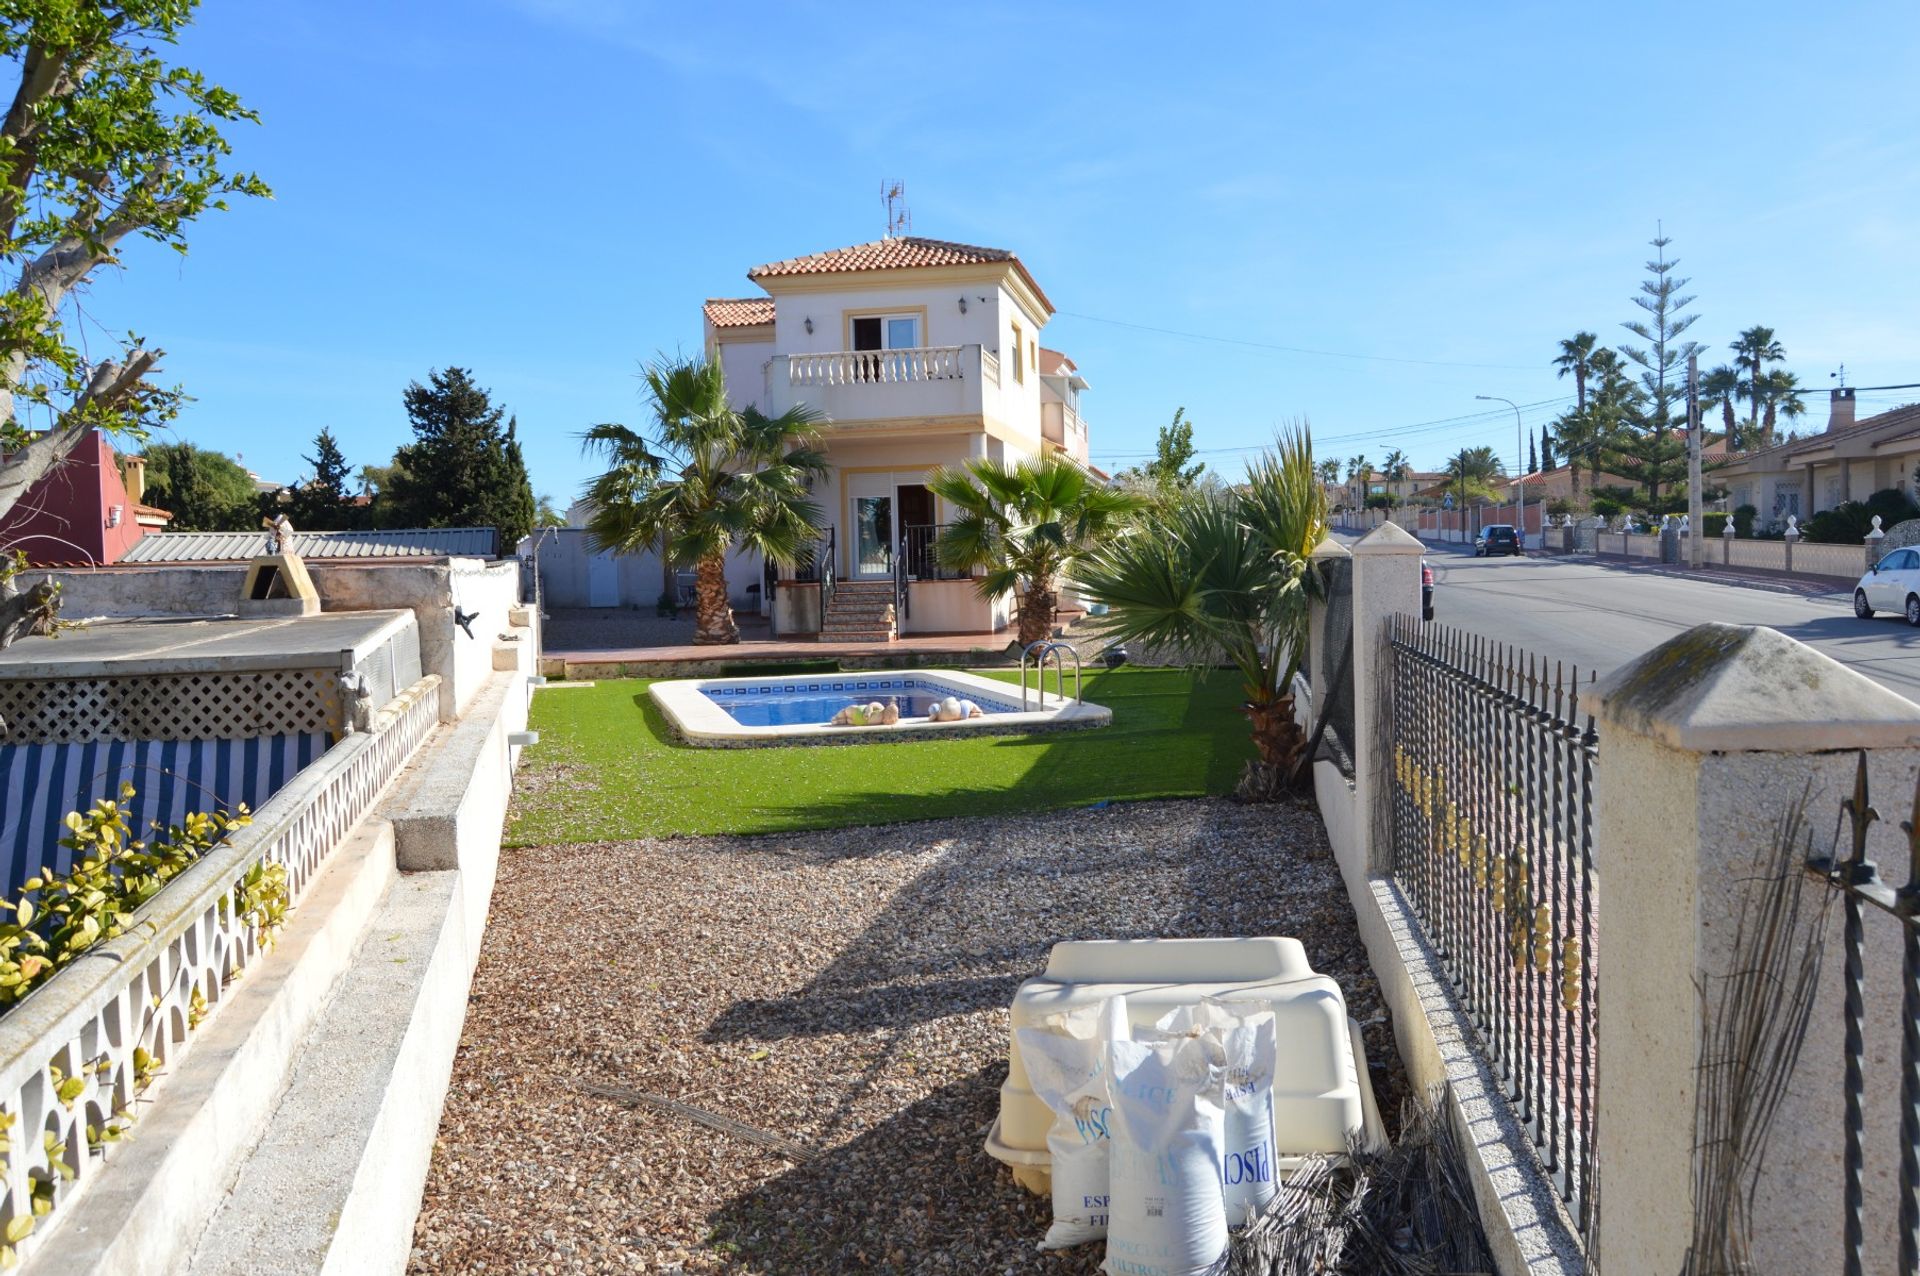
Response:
column 1752, row 578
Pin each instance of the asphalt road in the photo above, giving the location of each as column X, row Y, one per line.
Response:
column 1600, row 617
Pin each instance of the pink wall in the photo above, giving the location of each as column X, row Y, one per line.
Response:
column 64, row 518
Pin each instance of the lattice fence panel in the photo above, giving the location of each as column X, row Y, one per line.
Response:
column 175, row 706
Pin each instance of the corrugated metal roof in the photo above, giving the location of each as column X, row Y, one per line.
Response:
column 238, row 547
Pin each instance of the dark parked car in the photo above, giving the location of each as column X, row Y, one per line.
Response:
column 1426, row 590
column 1496, row 538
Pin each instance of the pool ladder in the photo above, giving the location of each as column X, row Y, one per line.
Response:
column 1038, row 653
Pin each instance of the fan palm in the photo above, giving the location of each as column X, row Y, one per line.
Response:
column 1224, row 577
column 707, row 477
column 1025, row 526
column 1576, row 359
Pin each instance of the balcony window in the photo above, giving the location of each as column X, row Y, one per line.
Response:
column 880, row 333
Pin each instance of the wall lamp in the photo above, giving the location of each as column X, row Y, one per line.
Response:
column 963, row 305
column 809, row 325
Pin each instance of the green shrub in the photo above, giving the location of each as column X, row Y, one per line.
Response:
column 58, row 917
column 1609, row 506
column 1714, row 524
column 1849, row 523
column 1743, row 516
column 1559, row 506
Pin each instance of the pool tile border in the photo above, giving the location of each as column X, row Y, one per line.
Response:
column 697, row 720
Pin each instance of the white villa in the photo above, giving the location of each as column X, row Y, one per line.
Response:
column 919, row 353
column 1848, row 461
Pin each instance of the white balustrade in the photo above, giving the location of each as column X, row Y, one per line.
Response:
column 138, row 991
column 866, row 367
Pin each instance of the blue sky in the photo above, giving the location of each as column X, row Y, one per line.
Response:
column 544, row 191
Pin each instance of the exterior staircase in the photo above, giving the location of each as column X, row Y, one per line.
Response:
column 860, row 611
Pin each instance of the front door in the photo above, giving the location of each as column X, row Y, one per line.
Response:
column 870, row 548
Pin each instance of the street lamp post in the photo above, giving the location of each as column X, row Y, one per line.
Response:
column 1519, row 463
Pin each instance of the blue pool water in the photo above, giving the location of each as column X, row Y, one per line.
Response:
column 778, row 702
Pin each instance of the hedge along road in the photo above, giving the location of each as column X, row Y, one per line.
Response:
column 1599, row 617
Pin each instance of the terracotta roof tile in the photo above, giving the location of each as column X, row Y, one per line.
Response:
column 906, row 252
column 739, row 312
column 1053, row 363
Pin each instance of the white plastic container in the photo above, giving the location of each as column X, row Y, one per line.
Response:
column 1320, row 1088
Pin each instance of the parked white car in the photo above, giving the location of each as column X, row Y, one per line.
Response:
column 1892, row 585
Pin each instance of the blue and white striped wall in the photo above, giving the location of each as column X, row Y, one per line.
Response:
column 40, row 783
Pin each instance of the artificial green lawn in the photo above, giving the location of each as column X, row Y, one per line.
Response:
column 605, row 767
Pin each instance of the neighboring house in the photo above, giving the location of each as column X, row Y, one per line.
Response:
column 86, row 510
column 919, row 353
column 402, row 545
column 1849, row 461
column 1404, row 489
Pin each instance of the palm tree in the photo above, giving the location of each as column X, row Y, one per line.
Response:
column 1780, row 393
column 1580, row 433
column 1359, row 474
column 1028, row 525
column 1721, row 389
column 1752, row 351
column 1225, row 577
column 1328, row 471
column 1397, row 467
column 1576, row 357
column 707, row 478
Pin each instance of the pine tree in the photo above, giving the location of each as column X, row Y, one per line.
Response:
column 324, row 503
column 464, row 469
column 1652, row 440
column 1546, row 450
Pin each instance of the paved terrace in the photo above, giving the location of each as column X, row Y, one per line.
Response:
column 609, row 643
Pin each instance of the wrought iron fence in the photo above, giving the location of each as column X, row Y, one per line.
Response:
column 1859, row 881
column 1492, row 836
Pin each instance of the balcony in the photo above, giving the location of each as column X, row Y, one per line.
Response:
column 1062, row 425
column 856, row 385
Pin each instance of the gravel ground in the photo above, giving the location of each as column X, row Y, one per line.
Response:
column 846, row 991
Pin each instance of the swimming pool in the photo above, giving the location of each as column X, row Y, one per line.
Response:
column 793, row 701
column 721, row 712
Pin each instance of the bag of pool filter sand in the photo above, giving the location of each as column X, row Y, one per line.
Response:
column 1066, row 1062
column 1239, row 1039
column 1166, row 1216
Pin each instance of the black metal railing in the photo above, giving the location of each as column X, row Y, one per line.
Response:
column 902, row 609
column 919, row 551
column 1859, row 881
column 815, row 565
column 1492, row 837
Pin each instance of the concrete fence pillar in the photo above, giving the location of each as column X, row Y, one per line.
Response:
column 1386, row 582
column 1875, row 537
column 1791, row 538
column 1703, row 743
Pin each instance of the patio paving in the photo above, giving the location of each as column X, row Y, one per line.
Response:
column 845, row 992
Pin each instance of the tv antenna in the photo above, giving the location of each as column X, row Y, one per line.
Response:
column 1841, row 375
column 893, row 194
